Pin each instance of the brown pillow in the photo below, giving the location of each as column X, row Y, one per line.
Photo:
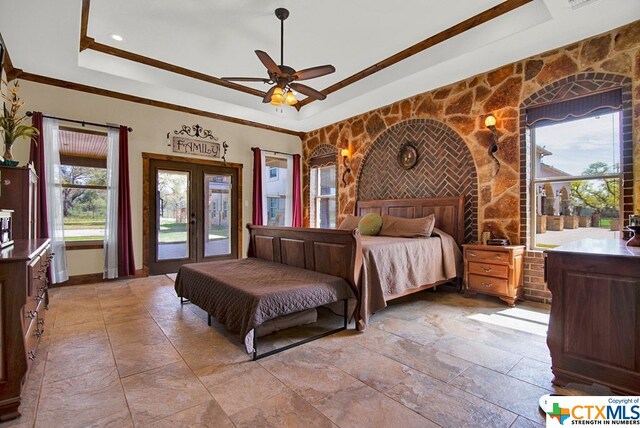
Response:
column 350, row 222
column 407, row 228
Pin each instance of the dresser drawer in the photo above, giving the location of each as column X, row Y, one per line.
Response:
column 487, row 256
column 32, row 336
column 499, row 271
column 487, row 284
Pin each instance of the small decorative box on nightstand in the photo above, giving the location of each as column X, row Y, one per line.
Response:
column 494, row 270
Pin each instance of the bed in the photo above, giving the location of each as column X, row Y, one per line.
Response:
column 395, row 267
column 289, row 270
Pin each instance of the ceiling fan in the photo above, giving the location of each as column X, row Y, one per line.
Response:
column 284, row 78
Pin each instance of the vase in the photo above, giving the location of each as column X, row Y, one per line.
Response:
column 7, row 152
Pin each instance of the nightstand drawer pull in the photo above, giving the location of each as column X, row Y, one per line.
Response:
column 472, row 254
column 487, row 284
column 486, row 269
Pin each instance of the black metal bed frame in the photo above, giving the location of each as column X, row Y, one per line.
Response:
column 291, row 345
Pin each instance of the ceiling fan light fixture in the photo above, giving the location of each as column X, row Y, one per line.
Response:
column 277, row 97
column 290, row 99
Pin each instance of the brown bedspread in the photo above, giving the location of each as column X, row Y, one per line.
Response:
column 393, row 265
column 242, row 294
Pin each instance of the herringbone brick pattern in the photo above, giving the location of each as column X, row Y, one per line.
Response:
column 444, row 168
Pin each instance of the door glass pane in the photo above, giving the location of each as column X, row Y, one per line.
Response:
column 172, row 208
column 217, row 215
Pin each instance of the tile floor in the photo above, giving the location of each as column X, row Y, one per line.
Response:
column 127, row 353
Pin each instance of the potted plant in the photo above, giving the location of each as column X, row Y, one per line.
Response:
column 11, row 124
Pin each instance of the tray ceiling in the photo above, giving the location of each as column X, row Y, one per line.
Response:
column 217, row 38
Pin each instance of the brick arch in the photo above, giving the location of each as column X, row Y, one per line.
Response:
column 445, row 167
column 323, row 150
column 576, row 86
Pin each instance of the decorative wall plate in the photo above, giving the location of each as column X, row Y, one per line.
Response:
column 407, row 156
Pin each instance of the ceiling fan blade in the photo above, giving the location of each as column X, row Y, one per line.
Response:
column 267, row 96
column 310, row 92
column 246, row 79
column 310, row 73
column 268, row 62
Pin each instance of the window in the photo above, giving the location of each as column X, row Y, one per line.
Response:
column 576, row 178
column 273, row 174
column 83, row 174
column 323, row 190
column 275, row 210
column 277, row 191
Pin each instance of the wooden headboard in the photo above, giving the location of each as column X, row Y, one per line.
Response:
column 332, row 251
column 448, row 211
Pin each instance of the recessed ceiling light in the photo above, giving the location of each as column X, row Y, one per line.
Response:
column 117, row 37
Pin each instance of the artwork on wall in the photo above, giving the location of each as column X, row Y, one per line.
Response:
column 408, row 156
column 195, row 140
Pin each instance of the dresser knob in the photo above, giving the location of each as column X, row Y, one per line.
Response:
column 486, row 269
column 31, row 314
column 38, row 298
column 487, row 284
column 41, row 321
column 38, row 332
column 32, row 355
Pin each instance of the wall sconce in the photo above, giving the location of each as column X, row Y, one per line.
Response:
column 490, row 123
column 347, row 167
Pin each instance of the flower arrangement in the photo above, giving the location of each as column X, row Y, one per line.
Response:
column 11, row 125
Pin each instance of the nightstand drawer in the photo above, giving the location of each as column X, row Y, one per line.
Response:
column 500, row 271
column 487, row 284
column 486, row 256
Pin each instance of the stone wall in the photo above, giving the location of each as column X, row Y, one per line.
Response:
column 462, row 107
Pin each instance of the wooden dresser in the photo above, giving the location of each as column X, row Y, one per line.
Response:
column 594, row 328
column 23, row 302
column 494, row 270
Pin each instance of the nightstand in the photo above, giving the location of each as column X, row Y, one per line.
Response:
column 494, row 270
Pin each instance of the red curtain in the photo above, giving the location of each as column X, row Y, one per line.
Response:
column 257, row 187
column 297, row 193
column 37, row 158
column 126, row 263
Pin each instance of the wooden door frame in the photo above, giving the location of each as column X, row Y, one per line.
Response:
column 146, row 192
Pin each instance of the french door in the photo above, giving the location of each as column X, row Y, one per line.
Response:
column 193, row 214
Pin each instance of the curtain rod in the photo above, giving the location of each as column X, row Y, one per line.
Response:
column 81, row 122
column 273, row 151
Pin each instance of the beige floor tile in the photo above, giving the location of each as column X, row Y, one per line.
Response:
column 128, row 313
column 238, row 386
column 162, row 392
column 478, row 353
column 301, row 370
column 138, row 357
column 534, row 372
column 92, row 399
column 78, row 352
column 410, row 330
column 448, row 406
column 205, row 415
column 145, row 331
column 79, row 316
column 523, row 422
column 362, row 406
column 209, row 350
column 376, row 370
column 282, row 411
column 425, row 359
column 507, row 392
